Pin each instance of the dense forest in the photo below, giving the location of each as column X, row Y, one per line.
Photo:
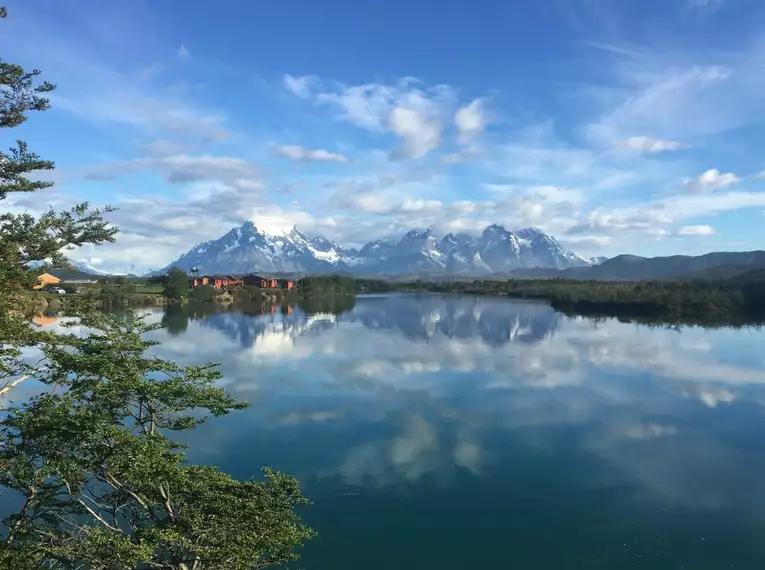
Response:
column 326, row 286
column 737, row 300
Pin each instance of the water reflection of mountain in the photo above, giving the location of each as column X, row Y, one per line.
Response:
column 246, row 329
column 495, row 321
column 420, row 318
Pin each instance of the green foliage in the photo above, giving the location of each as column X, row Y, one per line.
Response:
column 670, row 300
column 176, row 284
column 203, row 294
column 374, row 286
column 104, row 486
column 326, row 285
column 119, row 295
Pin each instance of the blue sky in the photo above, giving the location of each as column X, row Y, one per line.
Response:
column 615, row 125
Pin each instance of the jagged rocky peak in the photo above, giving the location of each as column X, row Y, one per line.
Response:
column 414, row 241
column 494, row 235
column 494, row 229
column 530, row 233
column 416, row 234
column 247, row 249
column 295, row 233
column 451, row 240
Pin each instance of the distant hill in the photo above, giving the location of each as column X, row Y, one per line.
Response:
column 632, row 267
column 749, row 277
column 712, row 266
column 721, row 273
column 721, row 266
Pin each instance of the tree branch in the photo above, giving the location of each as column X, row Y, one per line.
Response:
column 15, row 526
column 93, row 513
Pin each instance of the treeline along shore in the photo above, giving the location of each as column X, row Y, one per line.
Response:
column 739, row 301
column 174, row 288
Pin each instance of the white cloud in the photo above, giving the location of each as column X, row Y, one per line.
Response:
column 183, row 52
column 589, row 242
column 653, row 217
column 299, row 86
column 650, row 431
column 470, row 121
column 674, row 101
column 296, row 418
column 650, row 145
column 413, row 112
column 310, row 155
column 710, row 180
column 696, row 231
column 687, row 207
column 420, row 133
column 390, row 204
column 183, row 169
column 123, row 104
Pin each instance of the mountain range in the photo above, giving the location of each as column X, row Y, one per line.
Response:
column 496, row 253
column 246, row 249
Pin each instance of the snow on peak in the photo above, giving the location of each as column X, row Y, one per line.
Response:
column 248, row 249
column 530, row 233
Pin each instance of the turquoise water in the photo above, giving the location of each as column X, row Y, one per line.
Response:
column 452, row 433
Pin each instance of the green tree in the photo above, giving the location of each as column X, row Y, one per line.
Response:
column 176, row 284
column 103, row 485
column 117, row 295
column 99, row 482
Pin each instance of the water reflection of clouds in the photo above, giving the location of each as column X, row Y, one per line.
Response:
column 436, row 374
column 398, row 345
column 418, row 449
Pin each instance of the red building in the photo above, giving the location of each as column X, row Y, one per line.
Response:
column 216, row 281
column 253, row 280
column 267, row 282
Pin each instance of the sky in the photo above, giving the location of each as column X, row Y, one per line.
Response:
column 618, row 126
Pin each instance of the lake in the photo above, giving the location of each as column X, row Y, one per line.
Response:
column 451, row 433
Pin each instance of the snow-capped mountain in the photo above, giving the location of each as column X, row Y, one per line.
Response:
column 86, row 266
column 246, row 249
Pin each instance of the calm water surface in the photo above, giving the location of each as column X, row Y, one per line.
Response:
column 458, row 433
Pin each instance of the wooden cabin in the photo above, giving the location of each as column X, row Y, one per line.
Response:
column 253, row 280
